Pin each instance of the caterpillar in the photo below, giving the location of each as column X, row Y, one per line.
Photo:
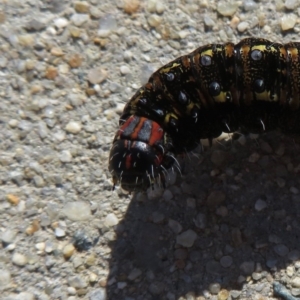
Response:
column 252, row 85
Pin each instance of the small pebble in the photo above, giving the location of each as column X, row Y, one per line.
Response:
column 243, row 26
column 260, row 205
column 291, row 4
column 98, row 294
column 65, row 156
column 61, row 22
column 247, row 267
column 77, row 210
column 223, row 295
column 97, row 75
column 68, row 251
column 215, row 198
column 214, row 288
column 249, row 5
column 19, row 259
column 187, row 238
column 124, row 70
column 154, row 20
column 227, row 9
column 281, row 250
column 82, row 7
column 111, row 220
column 167, row 195
column 79, row 19
column 59, row 233
column 296, row 282
column 131, row 6
column 73, row 127
column 200, row 221
column 288, row 21
column 5, row 278
column 226, row 261
column 12, row 199
column 78, row 282
column 134, row 274
column 175, row 226
column 8, row 236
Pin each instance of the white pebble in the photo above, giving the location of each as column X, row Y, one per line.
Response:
column 243, row 26
column 65, row 156
column 40, row 246
column 288, row 22
column 73, row 127
column 79, row 19
column 59, row 232
column 59, row 136
column 77, row 211
column 13, row 123
column 111, row 220
column 227, row 9
column 19, row 259
column 124, row 70
column 103, row 33
column 291, row 4
column 61, row 22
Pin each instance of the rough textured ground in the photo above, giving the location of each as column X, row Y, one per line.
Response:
column 226, row 229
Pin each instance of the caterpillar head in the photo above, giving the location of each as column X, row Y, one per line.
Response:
column 139, row 154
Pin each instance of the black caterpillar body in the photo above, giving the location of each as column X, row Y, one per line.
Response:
column 253, row 85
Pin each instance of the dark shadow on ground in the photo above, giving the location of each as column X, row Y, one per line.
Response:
column 243, row 239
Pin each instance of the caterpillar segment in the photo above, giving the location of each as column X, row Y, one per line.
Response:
column 253, row 85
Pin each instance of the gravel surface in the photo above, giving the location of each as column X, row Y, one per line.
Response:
column 227, row 228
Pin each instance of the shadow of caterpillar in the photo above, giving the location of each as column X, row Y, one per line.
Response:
column 253, row 85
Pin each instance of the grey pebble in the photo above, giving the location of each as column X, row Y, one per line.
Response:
column 98, row 294
column 208, row 21
column 226, row 261
column 214, row 288
column 156, row 288
column 167, row 195
column 249, row 5
column 200, row 221
column 35, row 25
column 134, row 274
column 187, row 238
column 291, row 4
column 8, row 236
column 77, row 282
column 260, row 205
column 5, row 278
column 79, row 19
column 281, row 250
column 77, row 211
column 175, row 226
column 65, row 156
column 247, row 267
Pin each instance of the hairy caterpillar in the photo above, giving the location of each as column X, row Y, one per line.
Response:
column 253, row 85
